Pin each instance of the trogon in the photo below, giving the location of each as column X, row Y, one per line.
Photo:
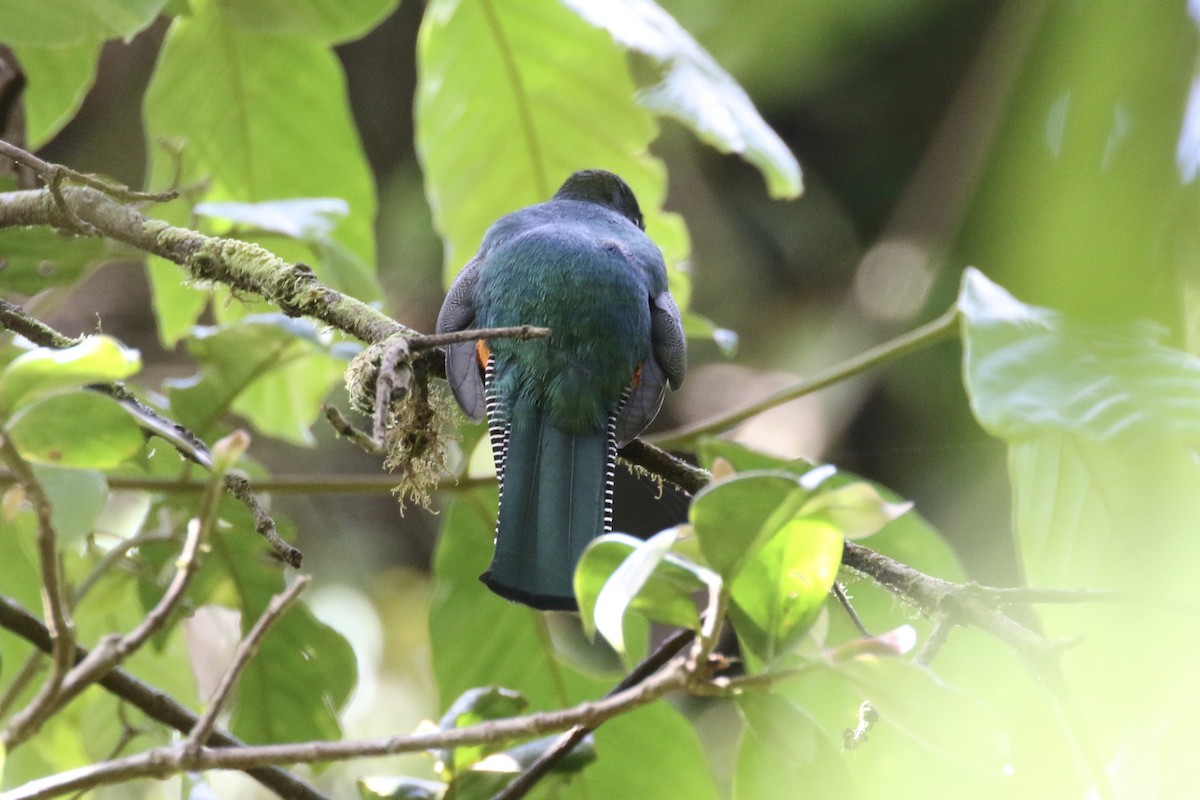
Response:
column 558, row 408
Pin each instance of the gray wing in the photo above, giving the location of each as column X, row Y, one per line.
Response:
column 666, row 366
column 458, row 314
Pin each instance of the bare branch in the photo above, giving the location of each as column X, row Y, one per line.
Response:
column 280, row 603
column 155, row 704
column 54, row 604
column 166, row 761
column 524, row 332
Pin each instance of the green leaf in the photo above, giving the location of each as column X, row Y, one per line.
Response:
column 327, row 21
column 305, row 218
column 247, row 110
column 96, row 359
column 1030, row 370
column 76, row 429
column 548, row 95
column 472, row 707
column 733, row 518
column 856, row 509
column 62, row 22
column 782, row 588
column 782, row 748
column 944, row 719
column 694, row 89
column 58, row 78
column 76, row 498
column 618, row 572
column 270, row 369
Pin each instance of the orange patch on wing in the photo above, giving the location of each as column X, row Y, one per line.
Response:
column 637, row 377
column 482, row 353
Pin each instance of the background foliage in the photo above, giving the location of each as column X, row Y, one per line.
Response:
column 1052, row 144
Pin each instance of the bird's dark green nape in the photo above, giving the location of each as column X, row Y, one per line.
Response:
column 558, row 408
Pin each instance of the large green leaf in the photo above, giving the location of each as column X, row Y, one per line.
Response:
column 1029, row 370
column 96, row 359
column 694, row 89
column 59, row 22
column 58, row 77
column 270, row 369
column 76, row 429
column 327, row 21
column 513, row 98
column 258, row 118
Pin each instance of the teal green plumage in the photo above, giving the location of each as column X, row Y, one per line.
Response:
column 558, row 408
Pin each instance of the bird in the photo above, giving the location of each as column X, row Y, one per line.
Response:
column 558, row 408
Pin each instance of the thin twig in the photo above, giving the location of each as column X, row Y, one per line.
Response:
column 54, row 604
column 839, row 592
column 280, row 603
column 56, row 173
column 940, row 329
column 152, row 702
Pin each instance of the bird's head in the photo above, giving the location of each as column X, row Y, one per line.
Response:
column 603, row 188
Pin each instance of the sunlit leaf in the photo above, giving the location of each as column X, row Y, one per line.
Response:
column 97, row 359
column 732, row 519
column 694, row 89
column 782, row 588
column 76, row 429
column 619, row 572
column 696, row 326
column 544, row 94
column 496, row 771
column 856, row 509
